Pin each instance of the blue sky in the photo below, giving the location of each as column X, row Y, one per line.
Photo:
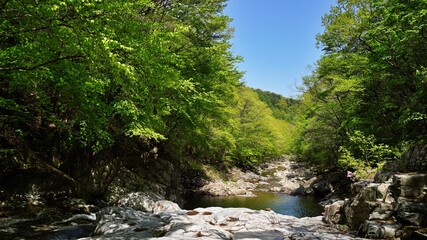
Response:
column 276, row 38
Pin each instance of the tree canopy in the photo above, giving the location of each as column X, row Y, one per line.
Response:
column 370, row 85
column 89, row 87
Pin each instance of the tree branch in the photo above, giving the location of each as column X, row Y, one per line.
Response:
column 76, row 57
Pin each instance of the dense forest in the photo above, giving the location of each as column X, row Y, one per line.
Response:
column 366, row 101
column 90, row 87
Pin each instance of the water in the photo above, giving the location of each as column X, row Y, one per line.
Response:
column 298, row 206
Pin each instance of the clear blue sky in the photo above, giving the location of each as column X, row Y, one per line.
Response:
column 276, row 38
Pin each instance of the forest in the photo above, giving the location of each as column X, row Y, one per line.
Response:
column 90, row 87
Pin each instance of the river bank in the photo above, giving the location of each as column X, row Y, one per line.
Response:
column 36, row 217
column 285, row 175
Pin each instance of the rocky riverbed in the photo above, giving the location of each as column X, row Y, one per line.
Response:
column 284, row 176
column 168, row 221
column 149, row 218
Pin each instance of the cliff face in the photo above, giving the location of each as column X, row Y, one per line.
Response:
column 394, row 205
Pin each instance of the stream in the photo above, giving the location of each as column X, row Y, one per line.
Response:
column 269, row 183
column 298, row 206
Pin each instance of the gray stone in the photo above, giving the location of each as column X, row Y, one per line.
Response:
column 383, row 191
column 410, row 179
column 379, row 230
column 369, row 193
column 334, row 213
column 418, row 192
column 165, row 206
column 210, row 223
column 140, row 201
column 407, row 206
column 417, row 219
column 121, row 220
column 357, row 212
column 383, row 207
column 381, row 216
column 76, row 205
column 357, row 187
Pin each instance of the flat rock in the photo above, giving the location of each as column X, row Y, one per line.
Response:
column 210, row 223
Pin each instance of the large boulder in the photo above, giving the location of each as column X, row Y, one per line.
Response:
column 380, row 230
column 334, row 213
column 158, row 177
column 126, row 221
column 357, row 212
column 144, row 201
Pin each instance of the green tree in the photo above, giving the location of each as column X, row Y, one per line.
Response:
column 259, row 135
column 88, row 85
column 371, row 78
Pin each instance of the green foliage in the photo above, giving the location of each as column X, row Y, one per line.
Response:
column 84, row 84
column 371, row 80
column 363, row 155
column 258, row 135
column 282, row 107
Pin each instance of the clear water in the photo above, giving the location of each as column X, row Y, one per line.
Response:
column 298, row 206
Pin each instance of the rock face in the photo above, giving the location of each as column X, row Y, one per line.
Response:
column 159, row 179
column 394, row 208
column 144, row 201
column 334, row 213
column 208, row 223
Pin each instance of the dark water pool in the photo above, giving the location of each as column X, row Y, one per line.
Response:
column 298, row 206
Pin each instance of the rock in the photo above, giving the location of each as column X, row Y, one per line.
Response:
column 321, row 188
column 357, row 187
column 210, row 223
column 122, row 220
column 70, row 232
column 383, row 192
column 410, row 179
column 221, row 188
column 381, row 216
column 143, row 201
column 334, row 213
column 75, row 205
column 370, row 192
column 357, row 212
column 392, row 209
column 417, row 219
column 407, row 206
column 78, row 218
column 420, row 234
column 156, row 177
column 416, row 158
column 165, row 206
column 379, row 230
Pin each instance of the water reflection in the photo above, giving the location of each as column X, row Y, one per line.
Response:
column 298, row 206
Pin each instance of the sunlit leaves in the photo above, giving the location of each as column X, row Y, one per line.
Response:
column 372, row 77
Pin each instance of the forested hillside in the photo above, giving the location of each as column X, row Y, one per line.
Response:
column 365, row 102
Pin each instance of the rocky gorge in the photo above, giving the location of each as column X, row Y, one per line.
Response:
column 138, row 208
column 391, row 206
